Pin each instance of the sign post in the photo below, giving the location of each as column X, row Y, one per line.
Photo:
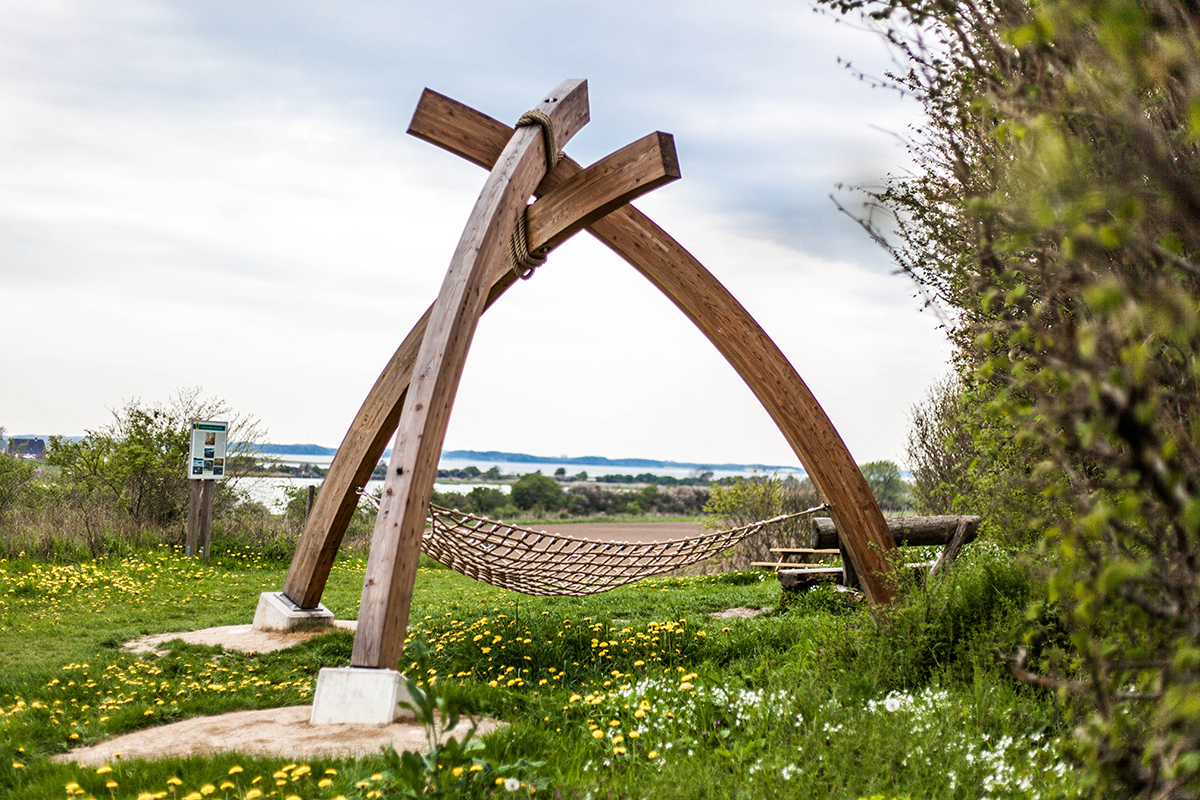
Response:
column 206, row 466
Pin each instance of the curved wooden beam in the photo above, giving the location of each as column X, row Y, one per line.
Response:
column 571, row 197
column 479, row 260
column 693, row 289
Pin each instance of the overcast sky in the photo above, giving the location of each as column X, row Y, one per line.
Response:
column 222, row 194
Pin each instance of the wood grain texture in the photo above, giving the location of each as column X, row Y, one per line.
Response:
column 478, row 262
column 630, row 172
column 908, row 531
column 601, row 188
column 731, row 329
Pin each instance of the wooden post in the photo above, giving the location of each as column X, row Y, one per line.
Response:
column 478, row 261
column 206, row 501
column 199, row 519
column 950, row 551
column 193, row 519
column 849, row 576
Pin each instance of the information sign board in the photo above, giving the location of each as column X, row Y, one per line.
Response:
column 207, row 457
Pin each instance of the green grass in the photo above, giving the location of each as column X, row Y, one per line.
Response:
column 639, row 692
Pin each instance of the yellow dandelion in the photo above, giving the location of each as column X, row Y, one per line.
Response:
column 227, row 785
column 110, row 784
column 652, row 754
column 597, row 734
column 104, row 770
column 173, row 781
column 235, row 769
column 331, row 771
column 457, row 771
column 254, row 794
column 207, row 789
column 325, row 782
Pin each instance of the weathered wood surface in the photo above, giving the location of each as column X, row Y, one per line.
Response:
column 785, row 553
column 199, row 520
column 950, row 551
column 804, row 576
column 792, row 579
column 206, row 503
column 572, row 202
column 792, row 551
column 193, row 517
column 907, row 531
column 477, row 263
column 731, row 329
column 778, row 565
column 602, row 188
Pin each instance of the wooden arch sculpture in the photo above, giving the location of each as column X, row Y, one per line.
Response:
column 415, row 392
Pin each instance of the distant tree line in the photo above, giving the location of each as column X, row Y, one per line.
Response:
column 537, row 495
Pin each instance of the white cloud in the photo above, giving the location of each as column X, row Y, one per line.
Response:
column 223, row 195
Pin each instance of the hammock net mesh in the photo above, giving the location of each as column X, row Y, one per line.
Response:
column 552, row 564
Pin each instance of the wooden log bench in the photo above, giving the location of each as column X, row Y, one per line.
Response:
column 949, row 532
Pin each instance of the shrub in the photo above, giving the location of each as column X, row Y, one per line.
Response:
column 536, row 490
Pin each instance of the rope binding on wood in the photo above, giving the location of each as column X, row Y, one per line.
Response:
column 522, row 261
column 543, row 121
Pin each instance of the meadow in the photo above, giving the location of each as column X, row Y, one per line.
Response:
column 641, row 692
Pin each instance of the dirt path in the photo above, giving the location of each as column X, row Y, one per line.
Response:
column 623, row 531
column 281, row 732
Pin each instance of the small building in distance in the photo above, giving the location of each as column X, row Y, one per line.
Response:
column 27, row 447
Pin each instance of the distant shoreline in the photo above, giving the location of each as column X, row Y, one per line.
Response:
column 493, row 456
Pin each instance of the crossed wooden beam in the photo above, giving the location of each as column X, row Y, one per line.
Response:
column 414, row 393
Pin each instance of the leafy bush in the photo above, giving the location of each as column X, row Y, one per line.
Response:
column 137, row 465
column 1053, row 211
column 747, row 500
column 16, row 476
column 536, row 490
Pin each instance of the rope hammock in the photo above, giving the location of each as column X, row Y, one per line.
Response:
column 551, row 564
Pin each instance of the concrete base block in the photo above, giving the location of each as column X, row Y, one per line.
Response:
column 359, row 695
column 277, row 613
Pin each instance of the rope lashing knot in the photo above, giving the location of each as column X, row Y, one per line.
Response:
column 543, row 121
column 522, row 261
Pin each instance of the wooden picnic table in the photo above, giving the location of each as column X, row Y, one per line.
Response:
column 786, row 553
column 951, row 531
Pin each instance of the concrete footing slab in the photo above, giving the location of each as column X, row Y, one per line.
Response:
column 278, row 613
column 359, row 695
